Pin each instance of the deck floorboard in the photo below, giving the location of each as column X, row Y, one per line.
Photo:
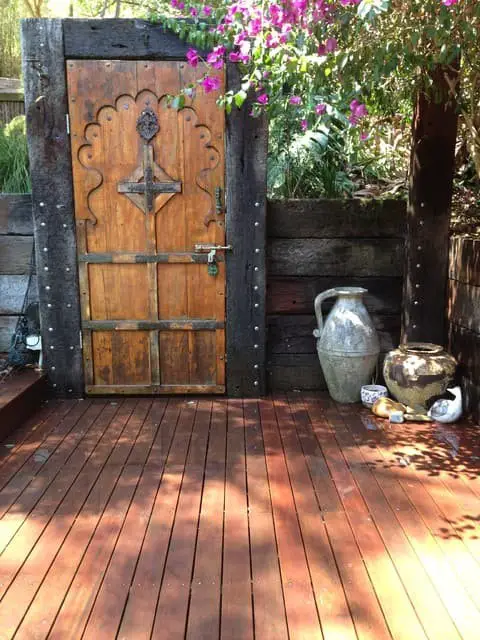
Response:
column 282, row 518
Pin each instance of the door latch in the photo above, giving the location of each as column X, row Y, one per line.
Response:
column 216, row 247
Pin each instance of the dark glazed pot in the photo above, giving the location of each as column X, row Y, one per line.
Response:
column 417, row 371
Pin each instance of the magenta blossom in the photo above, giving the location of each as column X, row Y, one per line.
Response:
column 262, row 98
column 331, row 45
column 192, row 57
column 449, row 3
column 304, row 124
column 295, row 100
column 193, row 12
column 358, row 110
column 207, row 10
column 210, row 83
column 215, row 58
column 320, row 109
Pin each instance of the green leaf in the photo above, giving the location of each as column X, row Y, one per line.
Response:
column 240, row 98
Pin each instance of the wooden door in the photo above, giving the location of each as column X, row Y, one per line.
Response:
column 148, row 185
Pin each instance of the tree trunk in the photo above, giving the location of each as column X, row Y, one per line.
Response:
column 428, row 220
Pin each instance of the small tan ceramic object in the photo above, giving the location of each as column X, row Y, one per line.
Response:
column 384, row 406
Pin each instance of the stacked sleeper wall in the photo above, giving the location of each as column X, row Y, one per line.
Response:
column 16, row 244
column 464, row 315
column 314, row 245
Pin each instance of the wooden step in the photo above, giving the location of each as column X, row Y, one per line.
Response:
column 20, row 395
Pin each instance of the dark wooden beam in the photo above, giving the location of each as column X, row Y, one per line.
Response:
column 324, row 218
column 336, row 257
column 52, row 198
column 246, row 167
column 16, row 214
column 114, row 39
column 432, row 167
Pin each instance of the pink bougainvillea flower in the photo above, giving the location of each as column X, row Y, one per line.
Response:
column 295, row 100
column 358, row 110
column 193, row 12
column 304, row 124
column 262, row 98
column 449, row 3
column 215, row 57
column 254, row 27
column 210, row 83
column 181, row 6
column 361, row 111
column 193, row 57
column 320, row 109
column 174, row 3
column 207, row 10
column 322, row 50
column 331, row 45
column 272, row 40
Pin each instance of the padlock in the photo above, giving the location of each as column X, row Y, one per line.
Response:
column 212, row 263
column 212, row 269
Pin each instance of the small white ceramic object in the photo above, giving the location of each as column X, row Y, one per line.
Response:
column 449, row 409
column 396, row 417
column 369, row 393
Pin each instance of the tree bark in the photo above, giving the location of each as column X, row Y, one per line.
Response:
column 432, row 166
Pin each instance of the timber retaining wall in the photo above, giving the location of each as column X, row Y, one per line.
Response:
column 314, row 245
column 16, row 246
column 464, row 315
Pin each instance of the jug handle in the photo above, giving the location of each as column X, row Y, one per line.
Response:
column 329, row 293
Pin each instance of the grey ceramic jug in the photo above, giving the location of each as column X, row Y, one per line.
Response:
column 347, row 343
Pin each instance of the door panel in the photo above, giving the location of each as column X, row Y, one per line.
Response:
column 145, row 181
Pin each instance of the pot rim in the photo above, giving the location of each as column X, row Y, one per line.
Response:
column 421, row 348
column 350, row 291
column 374, row 387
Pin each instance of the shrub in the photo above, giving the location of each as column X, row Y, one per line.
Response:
column 14, row 174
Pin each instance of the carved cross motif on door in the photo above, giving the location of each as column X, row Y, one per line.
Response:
column 150, row 180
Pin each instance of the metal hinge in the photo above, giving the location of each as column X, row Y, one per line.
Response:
column 67, row 120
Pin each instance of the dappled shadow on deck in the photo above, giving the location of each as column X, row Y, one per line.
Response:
column 206, row 518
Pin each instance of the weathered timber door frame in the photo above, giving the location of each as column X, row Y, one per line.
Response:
column 46, row 45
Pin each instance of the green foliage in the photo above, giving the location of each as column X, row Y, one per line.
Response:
column 336, row 161
column 14, row 175
column 9, row 39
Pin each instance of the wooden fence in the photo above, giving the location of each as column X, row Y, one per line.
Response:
column 16, row 245
column 314, row 245
column 11, row 99
column 464, row 315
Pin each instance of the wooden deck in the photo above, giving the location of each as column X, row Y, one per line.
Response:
column 282, row 518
